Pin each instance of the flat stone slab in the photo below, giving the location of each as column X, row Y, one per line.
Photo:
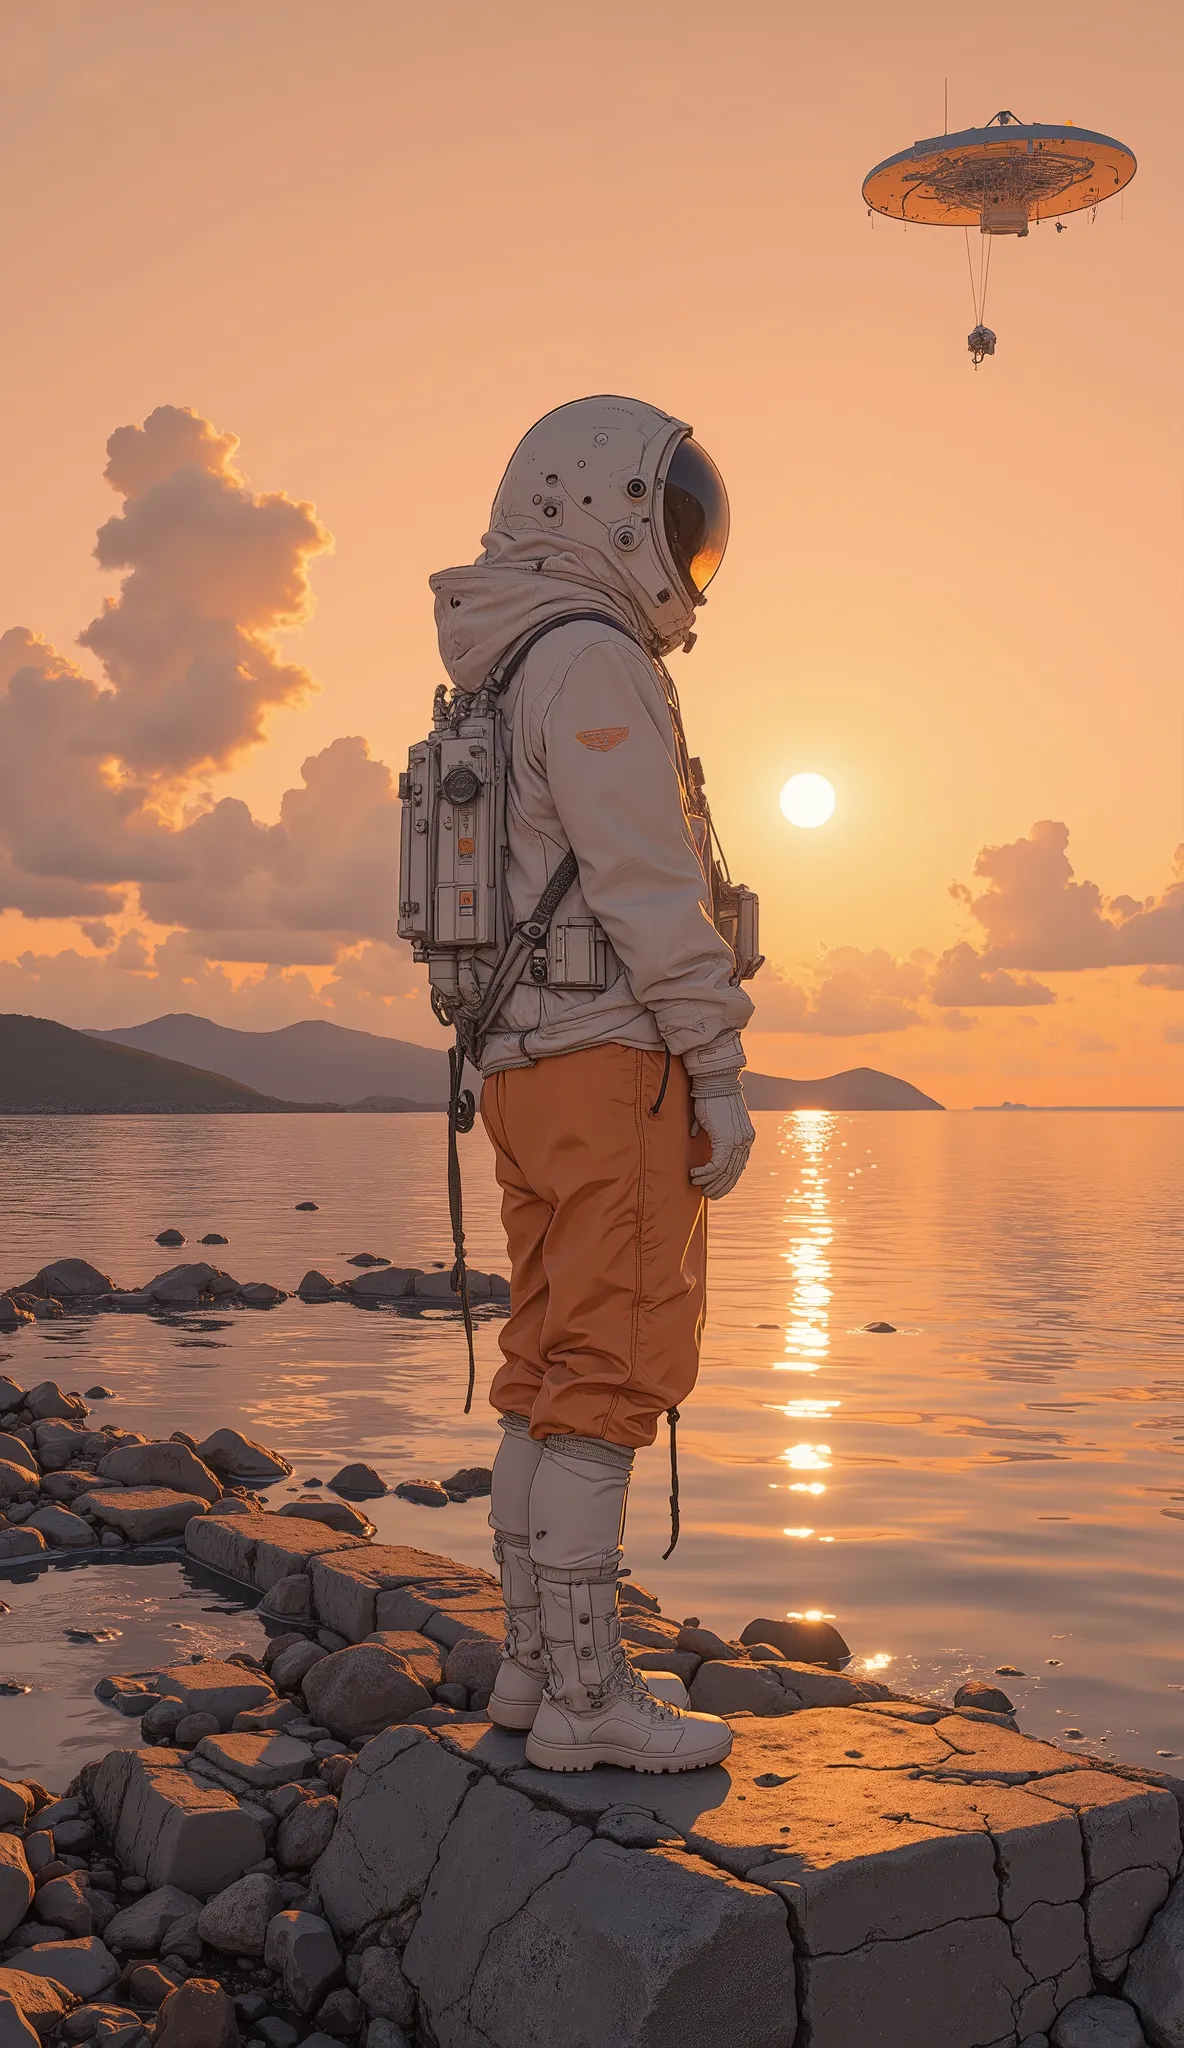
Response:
column 391, row 1586
column 261, row 1549
column 143, row 1513
column 264, row 1761
column 169, row 1829
column 211, row 1687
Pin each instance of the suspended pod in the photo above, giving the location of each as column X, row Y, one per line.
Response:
column 999, row 179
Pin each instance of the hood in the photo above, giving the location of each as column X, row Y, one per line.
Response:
column 519, row 583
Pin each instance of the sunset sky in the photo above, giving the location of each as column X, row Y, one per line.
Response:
column 374, row 242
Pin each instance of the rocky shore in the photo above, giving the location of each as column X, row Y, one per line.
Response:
column 331, row 1843
column 73, row 1286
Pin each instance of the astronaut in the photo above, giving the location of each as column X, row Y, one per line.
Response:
column 613, row 1100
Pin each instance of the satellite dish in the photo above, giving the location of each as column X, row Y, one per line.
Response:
column 999, row 179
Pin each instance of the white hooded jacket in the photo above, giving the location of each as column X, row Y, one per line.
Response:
column 594, row 767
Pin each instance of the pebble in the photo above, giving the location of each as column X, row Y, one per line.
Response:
column 215, row 1237
column 100, row 1394
column 308, row 1205
column 880, row 1329
column 425, row 1493
column 170, row 1237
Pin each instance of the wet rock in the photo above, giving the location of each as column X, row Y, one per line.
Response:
column 724, row 1688
column 292, row 1665
column 16, row 1885
column 11, row 1317
column 358, row 1482
column 20, row 1543
column 291, row 1597
column 17, row 1482
column 1098, row 2023
column 143, row 1514
column 472, row 1482
column 425, row 1493
column 43, row 2002
column 880, row 1329
column 383, row 1989
column 260, row 1294
column 63, row 1903
column 179, row 1286
column 368, row 1259
column 215, row 1237
column 70, row 1280
column 306, row 1833
column 990, row 1699
column 141, row 1927
column 171, row 1465
column 438, row 1287
column 170, row 1237
column 236, row 1920
column 199, row 2014
column 62, row 1530
column 335, row 1514
column 802, row 1642
column 263, row 1761
column 308, row 1205
column 234, row 1456
column 303, row 1953
column 359, row 1691
column 390, row 1283
column 317, row 1286
column 171, row 1830
column 87, row 1968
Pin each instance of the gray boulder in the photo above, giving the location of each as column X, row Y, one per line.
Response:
column 43, row 2002
column 336, row 1514
column 1154, row 1982
column 990, row 1699
column 20, row 1543
column 301, row 1950
column 1098, row 2023
column 293, row 1665
column 290, row 1599
column 474, row 1664
column 160, row 1464
column 16, row 1885
column 306, row 1833
column 63, row 1903
column 236, row 1921
column 360, row 1482
column 143, row 1513
column 169, row 1829
column 198, row 2014
column 87, row 1968
column 213, row 1687
column 16, row 1803
column 62, row 1530
column 805, row 1642
column 15, row 2030
column 725, row 1688
column 141, row 1927
column 235, row 1456
column 17, row 1482
column 357, row 1692
column 69, row 1280
column 382, row 1987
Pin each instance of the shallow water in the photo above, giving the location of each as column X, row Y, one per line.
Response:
column 998, row 1482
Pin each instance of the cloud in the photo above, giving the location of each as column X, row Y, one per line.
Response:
column 1034, row 914
column 854, row 993
column 960, row 978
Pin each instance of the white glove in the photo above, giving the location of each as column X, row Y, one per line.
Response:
column 720, row 1111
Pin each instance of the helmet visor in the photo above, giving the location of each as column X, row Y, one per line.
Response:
column 696, row 515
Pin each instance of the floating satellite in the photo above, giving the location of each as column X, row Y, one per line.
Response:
column 999, row 179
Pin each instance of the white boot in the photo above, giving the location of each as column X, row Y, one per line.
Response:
column 596, row 1709
column 514, row 1700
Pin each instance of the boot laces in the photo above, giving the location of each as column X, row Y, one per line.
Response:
column 623, row 1682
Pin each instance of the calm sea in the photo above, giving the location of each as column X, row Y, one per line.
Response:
column 999, row 1482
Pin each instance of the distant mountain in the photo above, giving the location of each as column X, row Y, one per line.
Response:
column 857, row 1088
column 322, row 1063
column 46, row 1069
column 313, row 1062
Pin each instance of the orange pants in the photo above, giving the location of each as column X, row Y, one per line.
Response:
column 607, row 1238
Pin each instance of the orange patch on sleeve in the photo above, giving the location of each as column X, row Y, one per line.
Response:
column 604, row 738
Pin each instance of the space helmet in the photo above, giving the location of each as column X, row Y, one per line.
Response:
column 617, row 476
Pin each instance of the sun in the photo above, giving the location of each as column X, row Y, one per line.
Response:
column 808, row 800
